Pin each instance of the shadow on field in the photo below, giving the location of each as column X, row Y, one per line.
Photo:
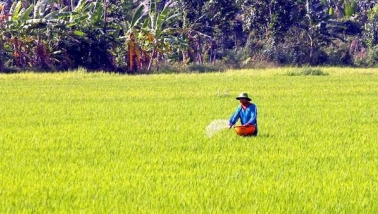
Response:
column 263, row 135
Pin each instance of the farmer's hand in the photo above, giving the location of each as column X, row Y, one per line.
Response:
column 229, row 126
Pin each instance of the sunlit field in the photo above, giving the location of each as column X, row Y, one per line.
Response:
column 107, row 143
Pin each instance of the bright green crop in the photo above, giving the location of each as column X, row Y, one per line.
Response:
column 82, row 142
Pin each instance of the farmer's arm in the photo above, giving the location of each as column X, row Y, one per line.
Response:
column 234, row 117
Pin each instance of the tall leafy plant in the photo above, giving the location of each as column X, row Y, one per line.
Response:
column 156, row 30
column 132, row 43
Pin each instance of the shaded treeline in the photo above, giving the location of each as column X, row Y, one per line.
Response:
column 133, row 36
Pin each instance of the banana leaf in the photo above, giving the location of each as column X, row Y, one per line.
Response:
column 98, row 12
column 16, row 10
column 137, row 15
column 330, row 11
column 26, row 14
column 79, row 33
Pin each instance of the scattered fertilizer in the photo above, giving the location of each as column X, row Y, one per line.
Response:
column 216, row 126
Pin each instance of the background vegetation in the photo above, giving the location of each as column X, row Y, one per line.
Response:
column 95, row 142
column 137, row 36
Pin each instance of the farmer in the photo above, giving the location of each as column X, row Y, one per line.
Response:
column 246, row 112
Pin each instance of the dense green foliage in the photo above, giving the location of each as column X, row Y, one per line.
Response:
column 95, row 142
column 134, row 36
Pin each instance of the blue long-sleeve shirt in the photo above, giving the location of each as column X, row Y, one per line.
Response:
column 247, row 116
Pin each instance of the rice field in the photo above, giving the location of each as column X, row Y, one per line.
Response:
column 81, row 142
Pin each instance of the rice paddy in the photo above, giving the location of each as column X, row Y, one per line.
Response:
column 100, row 143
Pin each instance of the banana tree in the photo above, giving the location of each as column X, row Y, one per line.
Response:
column 340, row 9
column 24, row 33
column 370, row 35
column 133, row 55
column 156, row 30
column 329, row 20
column 89, row 35
column 16, row 40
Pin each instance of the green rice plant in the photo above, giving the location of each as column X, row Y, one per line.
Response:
column 202, row 68
column 307, row 71
column 98, row 142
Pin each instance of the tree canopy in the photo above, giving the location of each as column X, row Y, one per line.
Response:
column 148, row 35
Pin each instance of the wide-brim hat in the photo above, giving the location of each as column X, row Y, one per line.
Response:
column 243, row 96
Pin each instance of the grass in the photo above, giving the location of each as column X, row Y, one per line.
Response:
column 306, row 71
column 94, row 142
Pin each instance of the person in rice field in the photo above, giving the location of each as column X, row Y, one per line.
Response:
column 246, row 112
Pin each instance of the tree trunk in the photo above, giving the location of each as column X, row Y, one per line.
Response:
column 183, row 57
column 1, row 57
column 151, row 60
column 157, row 61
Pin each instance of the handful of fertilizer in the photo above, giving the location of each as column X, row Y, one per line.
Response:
column 216, row 126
